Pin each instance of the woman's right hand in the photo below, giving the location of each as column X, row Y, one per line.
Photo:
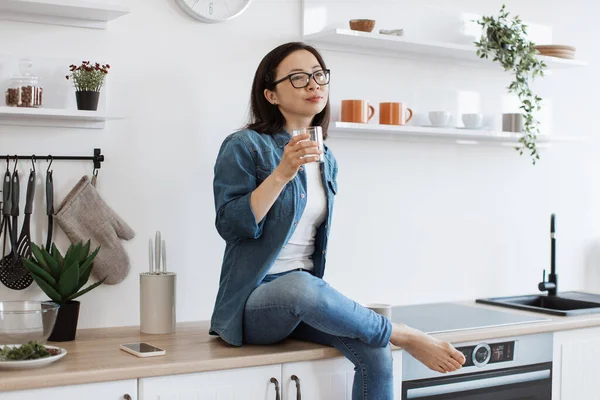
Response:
column 291, row 160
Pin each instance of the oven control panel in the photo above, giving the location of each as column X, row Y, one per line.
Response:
column 483, row 353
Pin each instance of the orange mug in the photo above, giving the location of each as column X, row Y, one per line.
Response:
column 393, row 113
column 359, row 111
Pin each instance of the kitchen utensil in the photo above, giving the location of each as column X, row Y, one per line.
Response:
column 358, row 111
column 554, row 50
column 472, row 121
column 393, row 32
column 316, row 135
column 157, row 302
column 151, row 256
column 363, row 25
column 559, row 54
column 381, row 309
column 7, row 208
column 19, row 277
column 164, row 256
column 543, row 47
column 49, row 204
column 157, row 249
column 440, row 118
column 24, row 321
column 24, row 90
column 512, row 122
column 394, row 113
column 8, row 260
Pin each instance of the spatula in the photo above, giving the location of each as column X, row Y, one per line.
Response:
column 7, row 261
column 19, row 277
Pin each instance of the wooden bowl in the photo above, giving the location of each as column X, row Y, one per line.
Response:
column 363, row 25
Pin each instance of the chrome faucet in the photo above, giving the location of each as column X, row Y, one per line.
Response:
column 552, row 284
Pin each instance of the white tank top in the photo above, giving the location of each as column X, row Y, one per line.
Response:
column 298, row 251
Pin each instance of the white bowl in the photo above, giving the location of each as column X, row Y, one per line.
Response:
column 440, row 118
column 472, row 121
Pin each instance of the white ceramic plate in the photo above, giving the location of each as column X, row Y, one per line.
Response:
column 33, row 363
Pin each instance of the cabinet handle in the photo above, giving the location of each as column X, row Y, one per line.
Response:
column 298, row 391
column 126, row 396
column 276, row 383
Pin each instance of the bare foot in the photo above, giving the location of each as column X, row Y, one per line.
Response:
column 435, row 354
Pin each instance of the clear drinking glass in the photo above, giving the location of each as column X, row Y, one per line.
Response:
column 316, row 135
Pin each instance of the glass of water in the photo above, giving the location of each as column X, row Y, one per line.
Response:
column 316, row 135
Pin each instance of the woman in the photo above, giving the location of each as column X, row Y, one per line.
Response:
column 274, row 204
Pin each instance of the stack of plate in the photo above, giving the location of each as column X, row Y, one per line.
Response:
column 556, row 50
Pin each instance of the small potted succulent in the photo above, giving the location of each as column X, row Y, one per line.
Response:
column 61, row 278
column 88, row 78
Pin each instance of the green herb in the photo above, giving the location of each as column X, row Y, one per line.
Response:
column 506, row 41
column 29, row 351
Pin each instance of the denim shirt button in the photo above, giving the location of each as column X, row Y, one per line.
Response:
column 326, row 226
column 295, row 223
column 323, row 251
column 302, row 195
column 301, row 168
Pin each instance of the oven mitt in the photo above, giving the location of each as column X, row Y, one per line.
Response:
column 84, row 215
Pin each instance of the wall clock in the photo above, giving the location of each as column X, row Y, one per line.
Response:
column 214, row 10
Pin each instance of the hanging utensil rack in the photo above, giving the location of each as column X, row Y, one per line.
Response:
column 97, row 158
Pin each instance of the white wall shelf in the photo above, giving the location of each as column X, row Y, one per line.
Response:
column 65, row 118
column 62, row 12
column 347, row 40
column 448, row 135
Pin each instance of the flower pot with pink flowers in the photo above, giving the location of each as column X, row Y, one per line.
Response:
column 88, row 79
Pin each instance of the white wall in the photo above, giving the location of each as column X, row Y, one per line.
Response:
column 413, row 223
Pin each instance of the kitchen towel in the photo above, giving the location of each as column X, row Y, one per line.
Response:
column 84, row 215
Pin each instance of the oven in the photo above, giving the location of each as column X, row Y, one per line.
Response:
column 517, row 368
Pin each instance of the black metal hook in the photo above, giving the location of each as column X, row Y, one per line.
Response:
column 16, row 162
column 7, row 163
column 49, row 165
column 33, row 161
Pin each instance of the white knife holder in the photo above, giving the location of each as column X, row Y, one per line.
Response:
column 157, row 302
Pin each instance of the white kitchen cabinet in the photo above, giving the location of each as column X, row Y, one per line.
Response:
column 253, row 383
column 329, row 379
column 116, row 390
column 575, row 365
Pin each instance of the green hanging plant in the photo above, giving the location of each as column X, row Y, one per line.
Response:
column 506, row 41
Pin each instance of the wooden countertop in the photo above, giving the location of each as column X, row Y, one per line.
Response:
column 94, row 356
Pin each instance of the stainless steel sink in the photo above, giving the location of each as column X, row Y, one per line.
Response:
column 563, row 304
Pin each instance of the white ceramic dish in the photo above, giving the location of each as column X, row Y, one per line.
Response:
column 26, row 364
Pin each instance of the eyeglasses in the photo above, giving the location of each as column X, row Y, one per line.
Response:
column 301, row 80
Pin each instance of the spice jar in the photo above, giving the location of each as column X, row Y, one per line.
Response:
column 24, row 90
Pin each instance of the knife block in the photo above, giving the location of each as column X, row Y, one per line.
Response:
column 157, row 302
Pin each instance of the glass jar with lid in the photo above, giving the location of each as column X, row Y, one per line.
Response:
column 24, row 89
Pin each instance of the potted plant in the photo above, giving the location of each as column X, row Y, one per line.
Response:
column 61, row 278
column 88, row 78
column 506, row 41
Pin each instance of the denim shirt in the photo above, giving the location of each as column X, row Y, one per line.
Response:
column 246, row 158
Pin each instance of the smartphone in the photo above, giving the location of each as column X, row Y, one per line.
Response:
column 142, row 349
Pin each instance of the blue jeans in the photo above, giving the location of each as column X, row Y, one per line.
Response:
column 299, row 305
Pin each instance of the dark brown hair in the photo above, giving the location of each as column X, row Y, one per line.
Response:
column 264, row 116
